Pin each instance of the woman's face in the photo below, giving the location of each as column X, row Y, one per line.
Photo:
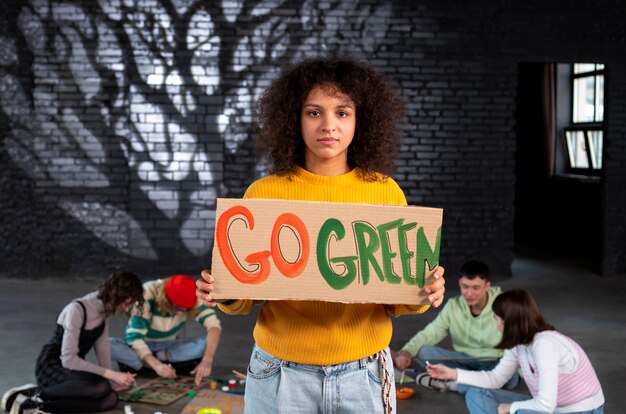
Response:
column 328, row 121
column 124, row 307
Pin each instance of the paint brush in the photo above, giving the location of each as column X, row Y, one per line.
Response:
column 402, row 377
column 170, row 365
column 135, row 387
column 238, row 374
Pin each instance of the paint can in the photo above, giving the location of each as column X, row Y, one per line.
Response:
column 209, row 410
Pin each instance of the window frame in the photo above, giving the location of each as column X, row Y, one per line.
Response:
column 567, row 123
column 590, row 170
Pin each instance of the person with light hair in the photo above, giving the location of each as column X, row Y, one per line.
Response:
column 152, row 334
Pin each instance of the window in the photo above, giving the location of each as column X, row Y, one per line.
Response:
column 582, row 130
column 588, row 87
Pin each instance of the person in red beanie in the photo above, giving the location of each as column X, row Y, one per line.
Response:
column 152, row 335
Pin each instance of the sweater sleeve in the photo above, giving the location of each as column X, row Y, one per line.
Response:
column 238, row 307
column 496, row 378
column 103, row 348
column 432, row 334
column 546, row 355
column 137, row 329
column 72, row 323
column 207, row 317
column 398, row 310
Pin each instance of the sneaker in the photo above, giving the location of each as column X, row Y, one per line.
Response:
column 10, row 395
column 431, row 383
column 26, row 405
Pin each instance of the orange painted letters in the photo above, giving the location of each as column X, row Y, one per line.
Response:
column 261, row 258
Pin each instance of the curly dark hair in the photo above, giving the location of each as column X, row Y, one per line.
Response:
column 118, row 288
column 376, row 139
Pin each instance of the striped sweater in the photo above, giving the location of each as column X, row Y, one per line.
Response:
column 156, row 325
column 316, row 332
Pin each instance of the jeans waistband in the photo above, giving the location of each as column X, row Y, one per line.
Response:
column 355, row 364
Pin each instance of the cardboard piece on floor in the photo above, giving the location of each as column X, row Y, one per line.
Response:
column 338, row 252
column 162, row 391
column 228, row 403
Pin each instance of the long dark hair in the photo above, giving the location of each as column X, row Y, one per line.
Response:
column 521, row 316
column 118, row 288
column 376, row 139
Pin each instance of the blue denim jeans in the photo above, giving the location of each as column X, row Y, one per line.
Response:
column 179, row 350
column 437, row 355
column 277, row 386
column 484, row 401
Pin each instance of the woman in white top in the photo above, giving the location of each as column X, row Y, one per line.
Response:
column 556, row 369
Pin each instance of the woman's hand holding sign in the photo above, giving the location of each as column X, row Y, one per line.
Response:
column 436, row 290
column 205, row 288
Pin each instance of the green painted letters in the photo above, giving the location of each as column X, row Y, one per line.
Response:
column 369, row 241
column 386, row 252
column 405, row 253
column 366, row 250
column 337, row 282
column 425, row 255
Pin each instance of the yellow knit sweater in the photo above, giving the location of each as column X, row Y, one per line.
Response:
column 315, row 332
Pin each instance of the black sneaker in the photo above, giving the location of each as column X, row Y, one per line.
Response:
column 431, row 383
column 26, row 405
column 9, row 396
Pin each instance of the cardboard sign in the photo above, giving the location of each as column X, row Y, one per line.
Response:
column 337, row 252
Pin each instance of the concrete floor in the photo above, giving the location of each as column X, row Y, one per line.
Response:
column 589, row 308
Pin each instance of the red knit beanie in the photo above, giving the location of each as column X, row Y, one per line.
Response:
column 181, row 291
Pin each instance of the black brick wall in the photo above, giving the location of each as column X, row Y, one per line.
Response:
column 103, row 166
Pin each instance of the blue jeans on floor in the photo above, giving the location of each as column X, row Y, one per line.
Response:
column 277, row 386
column 484, row 401
column 179, row 350
column 437, row 355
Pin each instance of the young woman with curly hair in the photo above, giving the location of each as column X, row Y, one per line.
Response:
column 555, row 368
column 328, row 128
column 375, row 142
column 66, row 381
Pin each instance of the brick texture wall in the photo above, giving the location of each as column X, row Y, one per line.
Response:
column 121, row 122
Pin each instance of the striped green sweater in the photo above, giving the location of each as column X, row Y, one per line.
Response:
column 156, row 325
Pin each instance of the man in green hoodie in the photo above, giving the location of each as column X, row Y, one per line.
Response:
column 470, row 322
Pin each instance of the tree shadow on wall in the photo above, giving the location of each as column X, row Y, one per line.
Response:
column 130, row 120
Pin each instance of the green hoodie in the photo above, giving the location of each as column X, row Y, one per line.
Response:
column 475, row 336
